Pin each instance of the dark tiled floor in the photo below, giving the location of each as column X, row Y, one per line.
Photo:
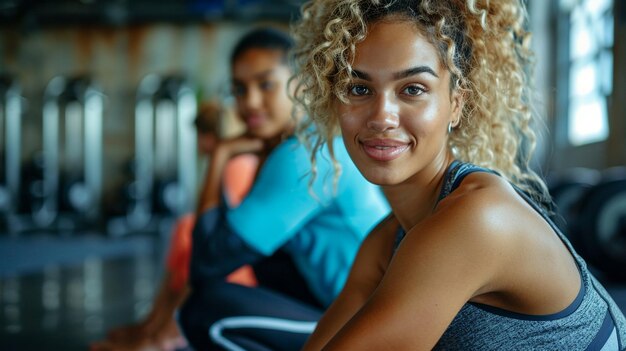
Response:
column 66, row 305
column 61, row 293
column 66, row 308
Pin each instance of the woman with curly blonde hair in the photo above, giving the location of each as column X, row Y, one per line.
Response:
column 433, row 100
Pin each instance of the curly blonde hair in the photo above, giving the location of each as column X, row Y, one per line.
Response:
column 482, row 43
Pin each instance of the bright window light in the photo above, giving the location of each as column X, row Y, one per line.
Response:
column 591, row 70
column 581, row 42
column 583, row 80
column 588, row 122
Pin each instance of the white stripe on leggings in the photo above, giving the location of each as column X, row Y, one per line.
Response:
column 215, row 331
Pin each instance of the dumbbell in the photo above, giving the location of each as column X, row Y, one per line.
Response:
column 31, row 190
column 166, row 196
column 601, row 224
column 75, row 196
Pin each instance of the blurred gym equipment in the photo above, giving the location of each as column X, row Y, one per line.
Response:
column 593, row 204
column 162, row 174
column 70, row 190
column 567, row 188
column 10, row 153
column 601, row 224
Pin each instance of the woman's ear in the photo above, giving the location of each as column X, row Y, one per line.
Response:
column 458, row 101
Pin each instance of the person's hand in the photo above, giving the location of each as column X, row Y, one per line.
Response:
column 239, row 145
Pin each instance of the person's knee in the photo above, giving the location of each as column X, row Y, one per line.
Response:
column 205, row 305
column 192, row 320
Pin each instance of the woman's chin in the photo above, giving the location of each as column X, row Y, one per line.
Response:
column 383, row 178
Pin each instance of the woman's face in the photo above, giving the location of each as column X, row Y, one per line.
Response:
column 260, row 87
column 400, row 104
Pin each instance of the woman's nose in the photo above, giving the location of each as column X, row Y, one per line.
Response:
column 385, row 115
column 252, row 98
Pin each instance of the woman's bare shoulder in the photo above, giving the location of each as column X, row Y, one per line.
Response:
column 484, row 202
column 477, row 224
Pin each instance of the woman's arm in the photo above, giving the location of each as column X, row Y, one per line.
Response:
column 442, row 263
column 224, row 151
column 365, row 275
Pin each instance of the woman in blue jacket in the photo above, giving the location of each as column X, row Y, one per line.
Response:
column 300, row 236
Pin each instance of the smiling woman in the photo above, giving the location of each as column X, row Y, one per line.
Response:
column 259, row 87
column 407, row 87
column 432, row 99
column 299, row 247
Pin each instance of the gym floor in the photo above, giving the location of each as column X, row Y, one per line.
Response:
column 61, row 293
column 95, row 283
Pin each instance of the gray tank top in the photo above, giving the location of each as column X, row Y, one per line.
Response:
column 592, row 322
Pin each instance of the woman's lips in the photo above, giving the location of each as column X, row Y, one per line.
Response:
column 384, row 149
column 254, row 120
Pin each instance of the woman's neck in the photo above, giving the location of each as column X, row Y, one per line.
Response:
column 274, row 141
column 414, row 199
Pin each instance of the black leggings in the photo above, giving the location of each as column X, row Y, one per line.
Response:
column 278, row 315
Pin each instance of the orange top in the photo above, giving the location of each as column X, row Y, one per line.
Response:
column 237, row 181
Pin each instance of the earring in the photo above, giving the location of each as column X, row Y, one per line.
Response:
column 450, row 127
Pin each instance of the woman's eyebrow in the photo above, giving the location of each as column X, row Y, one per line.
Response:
column 398, row 75
column 415, row 71
column 360, row 75
column 257, row 76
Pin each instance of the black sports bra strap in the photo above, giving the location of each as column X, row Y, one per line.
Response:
column 456, row 172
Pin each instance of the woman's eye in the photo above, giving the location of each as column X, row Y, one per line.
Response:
column 238, row 90
column 267, row 85
column 359, row 90
column 413, row 90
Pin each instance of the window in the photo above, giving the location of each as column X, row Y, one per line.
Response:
column 590, row 69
